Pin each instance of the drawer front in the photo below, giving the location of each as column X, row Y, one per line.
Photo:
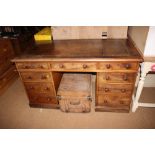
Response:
column 126, row 66
column 32, row 65
column 115, row 88
column 36, row 76
column 42, row 98
column 116, row 77
column 73, row 66
column 113, row 100
column 39, row 88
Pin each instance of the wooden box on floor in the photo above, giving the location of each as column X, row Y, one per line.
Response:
column 75, row 92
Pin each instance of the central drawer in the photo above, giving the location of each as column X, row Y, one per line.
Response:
column 116, row 77
column 69, row 66
column 36, row 76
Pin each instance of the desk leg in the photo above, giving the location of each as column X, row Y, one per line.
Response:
column 144, row 71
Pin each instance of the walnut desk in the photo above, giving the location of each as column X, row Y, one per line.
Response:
column 115, row 62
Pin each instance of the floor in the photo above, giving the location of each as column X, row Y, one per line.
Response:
column 16, row 113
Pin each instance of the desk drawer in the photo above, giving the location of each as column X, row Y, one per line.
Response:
column 32, row 65
column 42, row 98
column 114, row 66
column 115, row 88
column 68, row 66
column 32, row 87
column 36, row 76
column 113, row 100
column 116, row 77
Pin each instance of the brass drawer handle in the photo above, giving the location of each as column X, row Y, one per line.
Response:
column 108, row 66
column 85, row 66
column 106, row 89
column 127, row 66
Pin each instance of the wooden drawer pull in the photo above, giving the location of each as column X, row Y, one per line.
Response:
column 31, row 88
column 106, row 89
column 48, row 99
column 107, row 78
column 61, row 66
column 105, row 101
column 42, row 66
column 29, row 77
column 108, row 66
column 45, row 77
column 123, row 90
column 85, row 66
column 127, row 66
column 121, row 102
column 47, row 88
column 125, row 78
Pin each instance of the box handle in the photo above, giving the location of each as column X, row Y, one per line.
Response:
column 75, row 103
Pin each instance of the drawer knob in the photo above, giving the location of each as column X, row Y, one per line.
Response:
column 105, row 101
column 47, row 88
column 121, row 102
column 61, row 66
column 45, row 77
column 125, row 78
column 42, row 66
column 27, row 67
column 107, row 78
column 29, row 77
column 31, row 88
column 106, row 89
column 4, row 49
column 108, row 66
column 48, row 99
column 123, row 90
column 85, row 66
column 127, row 66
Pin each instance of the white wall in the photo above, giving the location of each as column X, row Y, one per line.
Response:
column 150, row 43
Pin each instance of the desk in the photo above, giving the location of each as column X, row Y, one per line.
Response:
column 115, row 62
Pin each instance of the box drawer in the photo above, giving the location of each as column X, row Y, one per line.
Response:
column 69, row 66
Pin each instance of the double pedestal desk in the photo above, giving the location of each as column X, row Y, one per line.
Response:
column 115, row 62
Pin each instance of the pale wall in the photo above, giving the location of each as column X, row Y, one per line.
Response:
column 139, row 35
